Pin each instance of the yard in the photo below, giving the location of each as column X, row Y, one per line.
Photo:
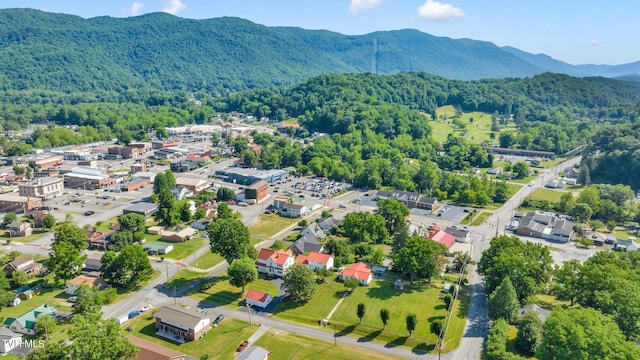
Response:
column 37, row 233
column 325, row 297
column 184, row 249
column 182, row 278
column 207, row 260
column 552, row 196
column 218, row 343
column 288, row 346
column 223, row 293
column 423, row 299
column 480, row 218
column 270, row 225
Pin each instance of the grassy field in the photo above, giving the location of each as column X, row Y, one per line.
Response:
column 287, row 346
column 325, row 297
column 270, row 225
column 475, row 126
column 480, row 218
column 208, row 260
column 550, row 195
column 182, row 278
column 422, row 298
column 218, row 343
column 54, row 296
column 184, row 249
column 223, row 293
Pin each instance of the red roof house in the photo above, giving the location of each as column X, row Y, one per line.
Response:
column 257, row 298
column 274, row 262
column 360, row 271
column 318, row 260
column 443, row 238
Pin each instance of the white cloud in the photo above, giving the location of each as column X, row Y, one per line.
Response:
column 437, row 11
column 357, row 5
column 136, row 7
column 595, row 42
column 174, row 7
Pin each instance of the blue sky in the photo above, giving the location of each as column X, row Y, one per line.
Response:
column 575, row 31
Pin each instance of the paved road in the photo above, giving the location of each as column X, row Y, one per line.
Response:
column 478, row 321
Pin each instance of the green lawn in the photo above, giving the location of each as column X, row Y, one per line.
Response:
column 223, row 293
column 184, row 249
column 54, row 296
column 475, row 126
column 37, row 233
column 218, row 343
column 288, row 346
column 325, row 297
column 512, row 189
column 550, row 195
column 182, row 278
column 270, row 225
column 480, row 218
column 422, row 298
column 207, row 260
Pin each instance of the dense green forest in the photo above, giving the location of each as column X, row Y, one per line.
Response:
column 68, row 53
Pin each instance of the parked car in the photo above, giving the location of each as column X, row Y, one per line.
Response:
column 89, row 213
column 218, row 319
column 242, row 346
column 73, row 299
column 133, row 314
column 146, row 308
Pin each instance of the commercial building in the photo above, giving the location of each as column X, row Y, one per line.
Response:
column 46, row 162
column 410, row 199
column 86, row 178
column 16, row 203
column 142, row 208
column 46, row 188
column 546, row 226
column 258, row 190
column 245, row 176
column 193, row 184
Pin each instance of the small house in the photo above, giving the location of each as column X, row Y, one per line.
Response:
column 257, row 298
column 74, row 284
column 180, row 324
column 360, row 271
column 179, row 236
column 9, row 340
column 254, row 353
column 25, row 264
column 272, row 262
column 152, row 351
column 25, row 323
column 19, row 229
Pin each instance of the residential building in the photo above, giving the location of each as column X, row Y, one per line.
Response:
column 441, row 237
column 201, row 224
column 148, row 350
column 258, row 190
column 74, row 284
column 9, row 340
column 360, row 271
column 25, row 264
column 280, row 201
column 599, row 239
column 409, row 198
column 46, row 188
column 198, row 159
column 254, row 353
column 542, row 313
column 193, row 184
column 25, row 323
column 19, row 229
column 316, row 260
column 181, row 193
column 461, row 235
column 294, row 210
column 306, row 244
column 313, row 230
column 495, row 171
column 555, row 184
column 329, row 223
column 257, row 298
column 274, row 263
column 99, row 240
column 16, row 203
column 179, row 236
column 180, row 324
column 546, row 226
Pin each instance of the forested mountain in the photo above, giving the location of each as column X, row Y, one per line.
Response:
column 159, row 51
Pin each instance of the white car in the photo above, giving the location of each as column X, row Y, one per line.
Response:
column 73, row 299
column 146, row 308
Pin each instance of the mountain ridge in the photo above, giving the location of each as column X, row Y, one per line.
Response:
column 226, row 54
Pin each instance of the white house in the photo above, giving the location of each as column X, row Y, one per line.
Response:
column 294, row 210
column 360, row 271
column 274, row 262
column 257, row 298
column 313, row 230
column 316, row 260
column 74, row 284
column 9, row 340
